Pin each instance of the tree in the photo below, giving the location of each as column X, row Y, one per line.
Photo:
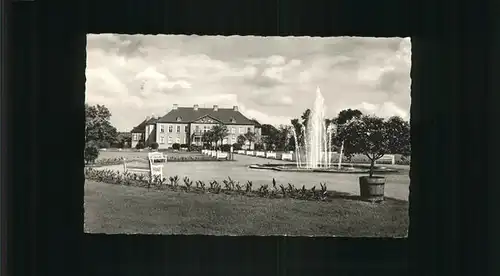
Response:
column 97, row 125
column 208, row 138
column 346, row 115
column 298, row 131
column 91, row 152
column 271, row 135
column 250, row 137
column 344, row 118
column 241, row 139
column 305, row 117
column 220, row 132
column 373, row 137
column 398, row 132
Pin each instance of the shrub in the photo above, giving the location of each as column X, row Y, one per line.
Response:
column 184, row 146
column 154, row 145
column 103, row 144
column 237, row 146
column 259, row 147
column 226, row 148
column 140, row 145
column 91, row 152
column 194, row 147
column 176, row 146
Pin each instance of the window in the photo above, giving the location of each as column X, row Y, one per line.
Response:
column 197, row 129
column 178, row 119
column 205, row 128
column 186, row 129
column 170, row 128
column 162, row 128
column 233, row 140
column 177, row 140
column 224, row 141
column 249, row 129
column 233, row 130
column 178, row 129
column 232, row 120
column 170, row 139
column 162, row 140
column 242, row 130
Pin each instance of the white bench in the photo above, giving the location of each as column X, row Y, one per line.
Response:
column 271, row 155
column 249, row 152
column 154, row 167
column 286, row 156
column 260, row 153
column 241, row 152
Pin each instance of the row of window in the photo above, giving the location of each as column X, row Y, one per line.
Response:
column 170, row 140
column 197, row 129
column 136, row 136
column 231, row 130
column 171, row 129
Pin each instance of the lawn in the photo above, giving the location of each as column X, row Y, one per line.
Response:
column 116, row 209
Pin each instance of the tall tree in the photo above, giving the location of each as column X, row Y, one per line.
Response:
column 271, row 135
column 346, row 115
column 220, row 132
column 297, row 127
column 98, row 127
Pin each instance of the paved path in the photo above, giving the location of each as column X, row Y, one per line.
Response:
column 397, row 185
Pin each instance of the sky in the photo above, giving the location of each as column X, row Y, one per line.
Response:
column 271, row 79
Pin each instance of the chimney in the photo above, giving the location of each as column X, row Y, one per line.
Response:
column 174, row 107
column 235, row 108
column 216, row 107
column 195, row 107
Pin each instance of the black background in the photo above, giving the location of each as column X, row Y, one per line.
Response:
column 453, row 114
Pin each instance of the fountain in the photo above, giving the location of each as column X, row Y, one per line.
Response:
column 315, row 155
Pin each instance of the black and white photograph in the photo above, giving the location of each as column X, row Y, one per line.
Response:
column 247, row 135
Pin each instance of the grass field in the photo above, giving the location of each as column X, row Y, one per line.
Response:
column 117, row 209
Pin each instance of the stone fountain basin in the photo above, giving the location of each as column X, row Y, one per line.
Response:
column 354, row 168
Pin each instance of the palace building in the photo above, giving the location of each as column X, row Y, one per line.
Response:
column 186, row 125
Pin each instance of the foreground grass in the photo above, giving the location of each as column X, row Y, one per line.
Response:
column 117, row 209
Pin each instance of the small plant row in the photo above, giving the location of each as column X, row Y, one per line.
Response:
column 227, row 186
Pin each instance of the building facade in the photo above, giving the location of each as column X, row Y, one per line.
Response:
column 186, row 125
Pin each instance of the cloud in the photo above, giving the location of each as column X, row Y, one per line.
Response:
column 272, row 78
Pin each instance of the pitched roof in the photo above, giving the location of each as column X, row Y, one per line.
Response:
column 256, row 123
column 142, row 126
column 188, row 115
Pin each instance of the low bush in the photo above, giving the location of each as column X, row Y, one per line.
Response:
column 259, row 147
column 154, row 145
column 194, row 147
column 227, row 186
column 176, row 146
column 225, row 148
column 140, row 145
column 103, row 144
column 237, row 146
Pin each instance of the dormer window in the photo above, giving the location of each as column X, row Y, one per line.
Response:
column 232, row 120
column 178, row 119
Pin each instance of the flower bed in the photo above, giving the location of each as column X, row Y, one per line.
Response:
column 228, row 186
